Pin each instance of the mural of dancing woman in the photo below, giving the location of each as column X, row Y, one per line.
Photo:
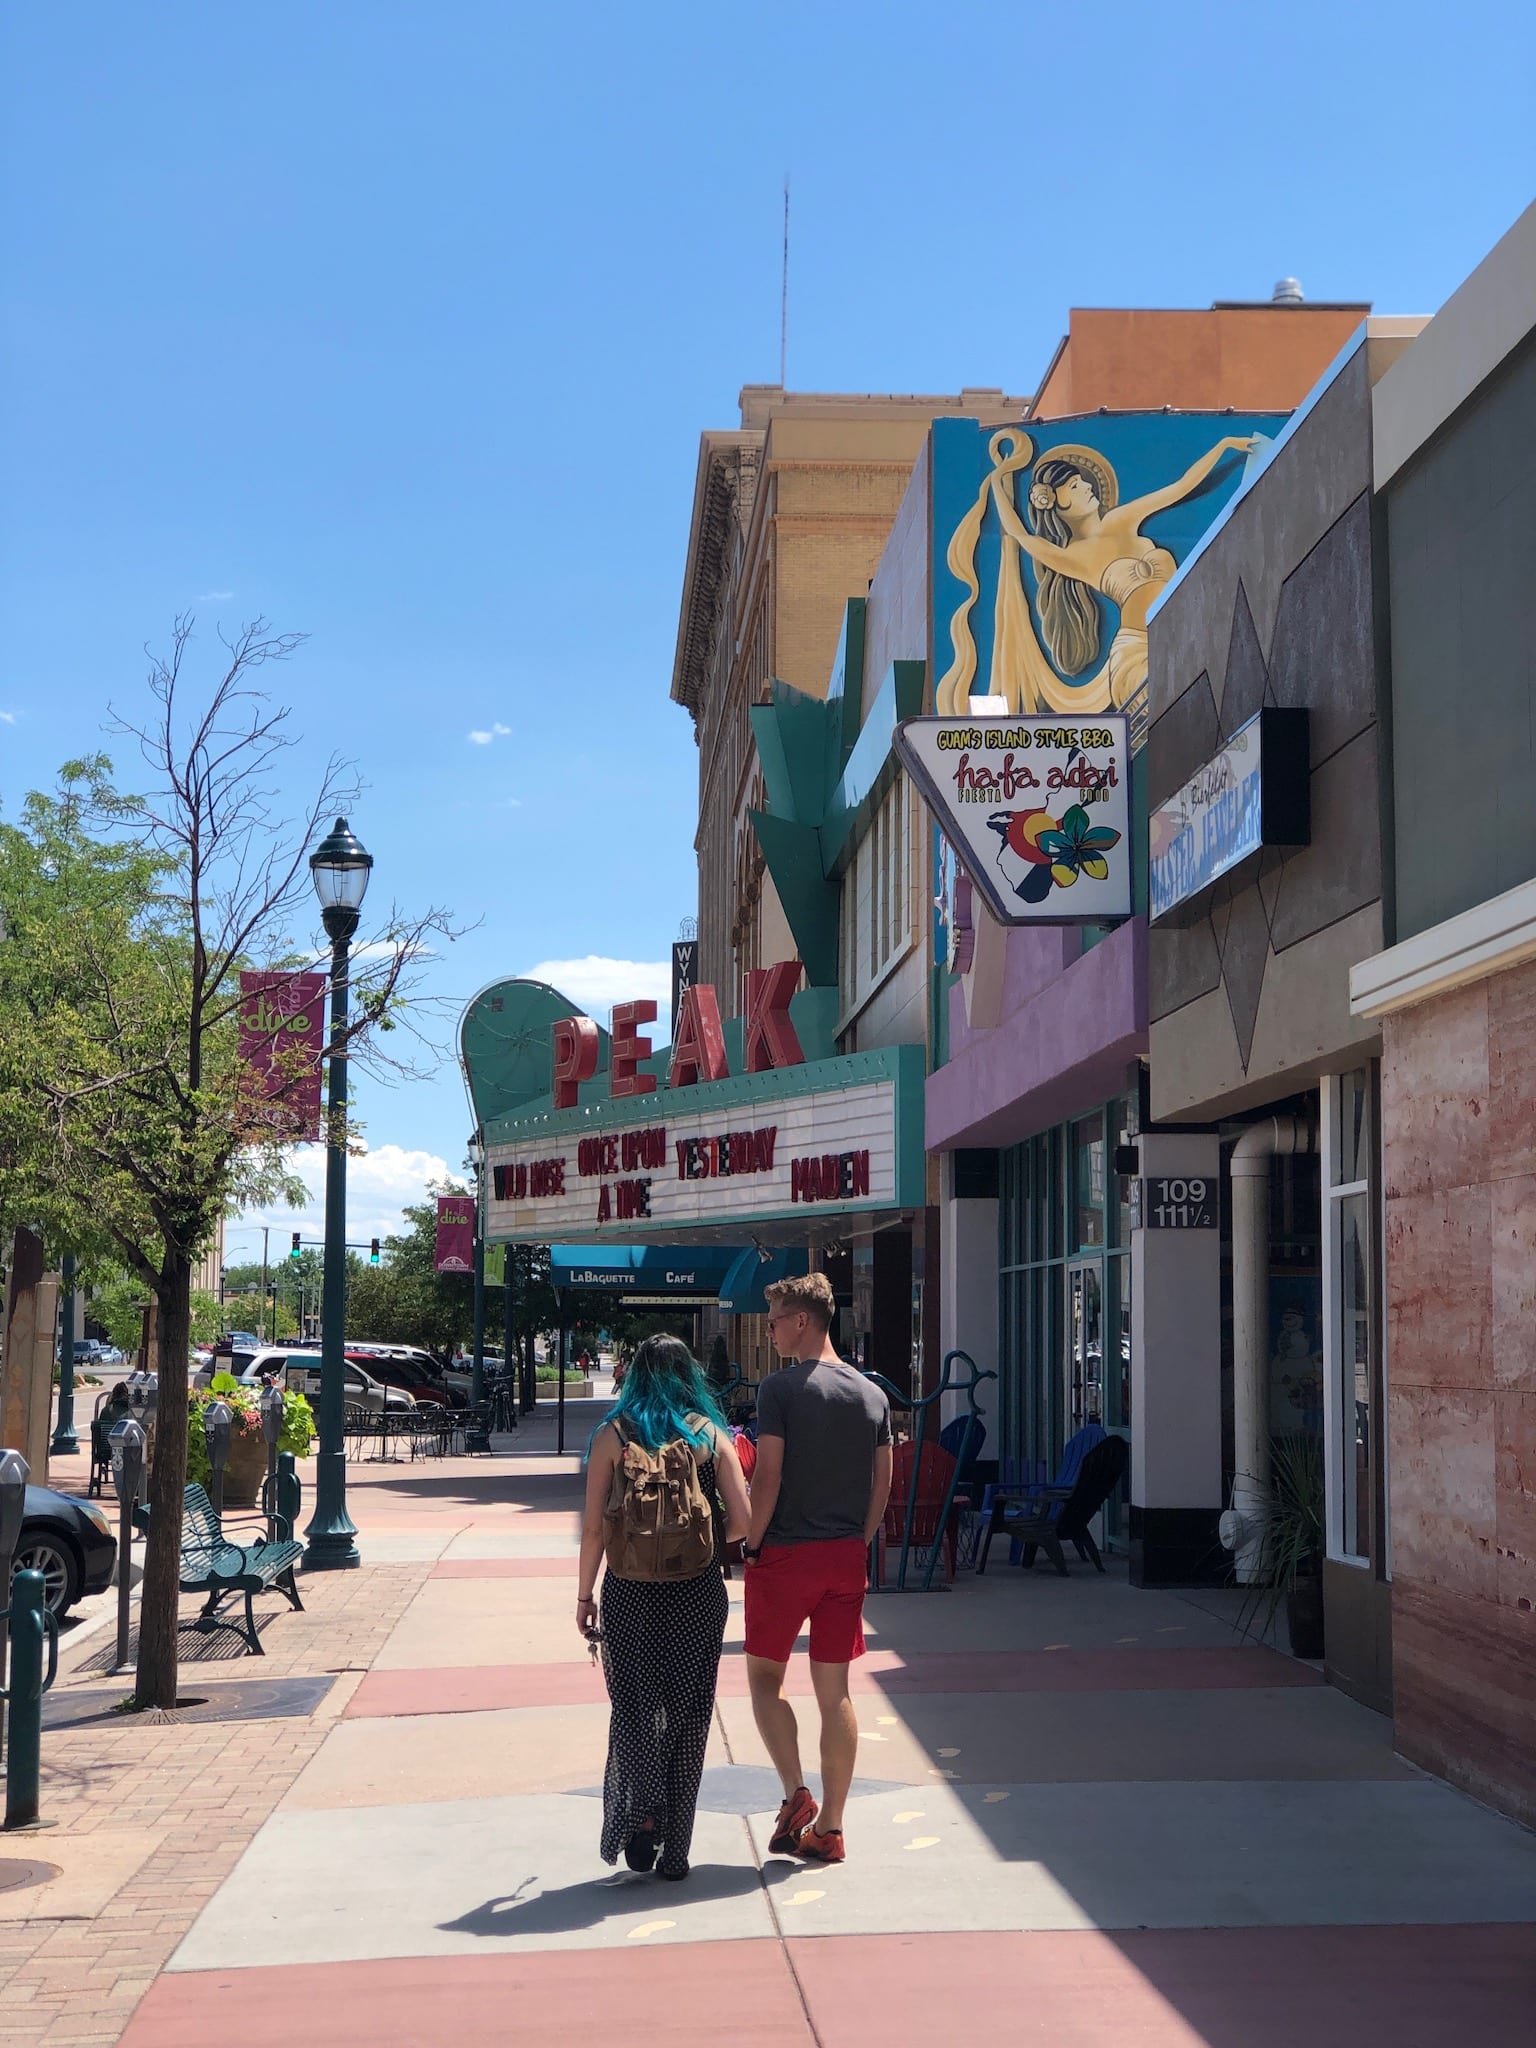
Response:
column 1084, row 545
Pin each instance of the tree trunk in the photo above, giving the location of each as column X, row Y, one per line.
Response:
column 160, row 1602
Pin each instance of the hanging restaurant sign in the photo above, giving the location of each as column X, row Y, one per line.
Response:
column 1037, row 810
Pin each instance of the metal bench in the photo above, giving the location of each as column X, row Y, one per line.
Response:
column 211, row 1563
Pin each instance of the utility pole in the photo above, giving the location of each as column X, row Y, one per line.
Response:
column 262, row 1332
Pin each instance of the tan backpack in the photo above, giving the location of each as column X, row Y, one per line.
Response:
column 661, row 1523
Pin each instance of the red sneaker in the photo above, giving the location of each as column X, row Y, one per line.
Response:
column 827, row 1848
column 795, row 1816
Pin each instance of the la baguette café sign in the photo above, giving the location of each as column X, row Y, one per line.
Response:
column 684, row 1165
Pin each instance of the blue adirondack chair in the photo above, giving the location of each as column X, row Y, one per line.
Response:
column 1016, row 1482
column 1051, row 1516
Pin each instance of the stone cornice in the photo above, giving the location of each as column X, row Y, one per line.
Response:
column 1483, row 941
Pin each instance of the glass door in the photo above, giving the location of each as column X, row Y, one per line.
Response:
column 1085, row 1345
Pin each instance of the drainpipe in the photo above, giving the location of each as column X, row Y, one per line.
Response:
column 1242, row 1526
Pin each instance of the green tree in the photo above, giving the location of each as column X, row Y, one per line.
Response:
column 125, row 1109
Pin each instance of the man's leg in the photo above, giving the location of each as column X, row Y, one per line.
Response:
column 775, row 1719
column 839, row 1742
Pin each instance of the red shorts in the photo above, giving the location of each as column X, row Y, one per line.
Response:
column 823, row 1583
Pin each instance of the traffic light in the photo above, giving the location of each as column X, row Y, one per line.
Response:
column 373, row 1252
column 295, row 1252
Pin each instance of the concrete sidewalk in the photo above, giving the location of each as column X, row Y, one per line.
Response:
column 1085, row 1815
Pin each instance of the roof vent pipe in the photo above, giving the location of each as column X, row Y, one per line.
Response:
column 1242, row 1527
column 1288, row 292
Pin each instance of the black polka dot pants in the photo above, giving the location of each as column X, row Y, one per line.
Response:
column 661, row 1656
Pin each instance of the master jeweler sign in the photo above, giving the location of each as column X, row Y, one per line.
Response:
column 1038, row 810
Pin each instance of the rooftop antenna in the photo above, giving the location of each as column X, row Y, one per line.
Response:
column 784, row 292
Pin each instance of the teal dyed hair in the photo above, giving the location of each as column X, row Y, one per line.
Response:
column 664, row 1385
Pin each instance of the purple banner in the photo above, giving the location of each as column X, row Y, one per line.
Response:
column 455, row 1234
column 282, row 1035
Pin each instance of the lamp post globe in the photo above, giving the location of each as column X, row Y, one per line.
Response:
column 339, row 866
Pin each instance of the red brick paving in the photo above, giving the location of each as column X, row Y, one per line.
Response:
column 690, row 1995
column 472, row 1689
column 505, row 1568
column 1335, row 1987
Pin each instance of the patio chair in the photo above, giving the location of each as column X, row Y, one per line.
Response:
column 934, row 1473
column 1045, row 1517
column 1017, row 1479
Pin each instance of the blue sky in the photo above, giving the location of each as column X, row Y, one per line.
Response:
column 399, row 323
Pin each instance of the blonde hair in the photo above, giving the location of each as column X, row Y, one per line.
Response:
column 808, row 1294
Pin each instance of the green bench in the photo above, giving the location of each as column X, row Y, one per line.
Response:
column 211, row 1563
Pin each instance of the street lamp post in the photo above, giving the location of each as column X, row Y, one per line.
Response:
column 65, row 1441
column 340, row 868
column 477, row 1437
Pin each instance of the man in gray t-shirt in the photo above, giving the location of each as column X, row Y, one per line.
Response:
column 819, row 1490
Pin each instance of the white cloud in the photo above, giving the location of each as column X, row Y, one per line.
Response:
column 483, row 736
column 379, row 1185
column 7, row 718
column 214, row 597
column 597, row 983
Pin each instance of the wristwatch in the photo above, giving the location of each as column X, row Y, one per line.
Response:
column 749, row 1554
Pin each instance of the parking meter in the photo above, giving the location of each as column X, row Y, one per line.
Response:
column 126, row 1442
column 14, row 1474
column 218, row 1425
column 272, row 1430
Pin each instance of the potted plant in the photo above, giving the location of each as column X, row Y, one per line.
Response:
column 247, row 1466
column 1294, row 1543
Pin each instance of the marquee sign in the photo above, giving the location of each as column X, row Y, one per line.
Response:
column 699, row 1168
column 1037, row 810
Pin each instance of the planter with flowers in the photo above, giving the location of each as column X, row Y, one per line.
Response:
column 247, row 1466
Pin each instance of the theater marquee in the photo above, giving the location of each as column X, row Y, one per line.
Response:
column 697, row 1167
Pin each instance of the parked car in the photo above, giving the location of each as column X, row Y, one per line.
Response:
column 405, row 1374
column 299, row 1371
column 87, row 1351
column 301, row 1375
column 69, row 1541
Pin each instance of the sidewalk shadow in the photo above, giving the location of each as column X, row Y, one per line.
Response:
column 570, row 1908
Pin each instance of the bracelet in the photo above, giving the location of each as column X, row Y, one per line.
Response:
column 586, row 1599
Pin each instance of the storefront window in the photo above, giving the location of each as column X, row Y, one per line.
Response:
column 1348, row 1173
column 1354, row 1377
column 1066, row 1287
column 1088, row 1181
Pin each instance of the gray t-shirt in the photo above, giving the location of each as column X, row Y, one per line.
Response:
column 832, row 1420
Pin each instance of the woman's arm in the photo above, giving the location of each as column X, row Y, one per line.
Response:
column 600, row 1465
column 1044, row 552
column 1138, row 509
column 733, row 1487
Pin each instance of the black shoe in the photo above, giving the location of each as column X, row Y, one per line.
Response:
column 640, row 1851
column 674, row 1876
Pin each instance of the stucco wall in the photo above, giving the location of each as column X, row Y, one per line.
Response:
column 1280, row 608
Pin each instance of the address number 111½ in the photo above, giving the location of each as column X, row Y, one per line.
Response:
column 1179, row 1203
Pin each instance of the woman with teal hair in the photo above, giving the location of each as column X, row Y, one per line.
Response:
column 660, row 1638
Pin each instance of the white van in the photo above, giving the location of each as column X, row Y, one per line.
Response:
column 300, row 1373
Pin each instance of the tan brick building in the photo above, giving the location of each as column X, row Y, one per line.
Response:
column 791, row 512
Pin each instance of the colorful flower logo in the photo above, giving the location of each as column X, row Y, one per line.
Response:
column 1054, row 851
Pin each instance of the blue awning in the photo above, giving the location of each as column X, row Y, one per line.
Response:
column 742, row 1287
column 733, row 1275
column 643, row 1268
